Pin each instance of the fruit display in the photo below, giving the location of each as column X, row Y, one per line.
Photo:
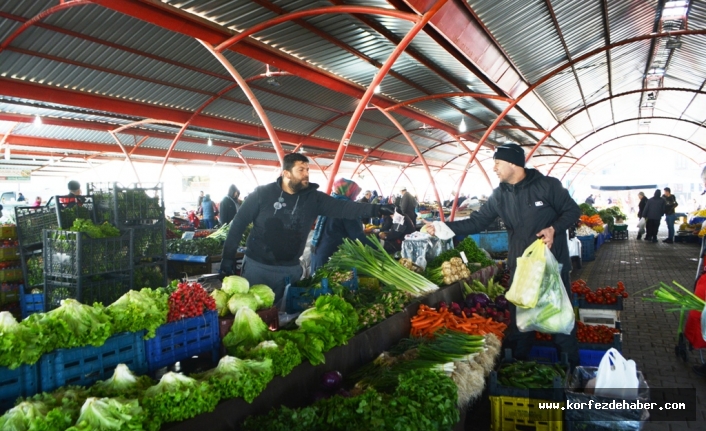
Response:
column 604, row 295
column 595, row 334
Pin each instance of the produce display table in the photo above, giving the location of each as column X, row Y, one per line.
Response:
column 297, row 388
column 180, row 264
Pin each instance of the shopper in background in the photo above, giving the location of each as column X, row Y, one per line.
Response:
column 73, row 198
column 393, row 235
column 653, row 212
column 229, row 205
column 208, row 211
column 408, row 204
column 329, row 232
column 590, row 200
column 37, row 202
column 669, row 213
column 375, row 199
column 367, row 196
column 640, row 214
column 199, row 201
column 532, row 206
column 21, row 197
column 282, row 214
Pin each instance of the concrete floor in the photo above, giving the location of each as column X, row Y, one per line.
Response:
column 649, row 333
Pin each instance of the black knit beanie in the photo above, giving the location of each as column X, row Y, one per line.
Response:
column 511, row 153
column 74, row 185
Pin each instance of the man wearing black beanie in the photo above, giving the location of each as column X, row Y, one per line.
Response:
column 532, row 206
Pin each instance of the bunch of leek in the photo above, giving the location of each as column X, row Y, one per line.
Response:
column 379, row 264
column 685, row 301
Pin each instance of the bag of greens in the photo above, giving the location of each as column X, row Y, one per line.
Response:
column 529, row 273
column 553, row 313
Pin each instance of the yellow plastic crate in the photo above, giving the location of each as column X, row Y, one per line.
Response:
column 11, row 274
column 523, row 414
column 8, row 232
column 9, row 253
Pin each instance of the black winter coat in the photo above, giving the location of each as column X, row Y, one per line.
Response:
column 278, row 236
column 655, row 208
column 227, row 210
column 641, row 207
column 526, row 208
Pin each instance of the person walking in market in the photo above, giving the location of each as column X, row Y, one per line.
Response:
column 330, row 232
column 532, row 206
column 640, row 215
column 282, row 214
column 653, row 212
column 208, row 210
column 408, row 204
column 229, row 205
column 669, row 213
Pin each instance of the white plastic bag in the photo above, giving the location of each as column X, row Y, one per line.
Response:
column 529, row 273
column 442, row 231
column 554, row 313
column 641, row 226
column 617, row 377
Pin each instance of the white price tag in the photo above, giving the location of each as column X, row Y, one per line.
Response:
column 187, row 235
column 464, row 258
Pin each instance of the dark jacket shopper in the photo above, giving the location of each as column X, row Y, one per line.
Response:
column 282, row 214
column 654, row 210
column 670, row 217
column 408, row 204
column 208, row 210
column 394, row 235
column 531, row 205
column 640, row 211
column 329, row 232
column 229, row 205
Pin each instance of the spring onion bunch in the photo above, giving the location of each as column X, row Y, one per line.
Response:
column 379, row 264
column 682, row 301
column 451, row 346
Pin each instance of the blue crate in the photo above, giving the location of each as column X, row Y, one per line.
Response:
column 176, row 341
column 84, row 366
column 300, row 298
column 544, row 354
column 588, row 244
column 492, row 242
column 20, row 382
column 31, row 303
column 590, row 354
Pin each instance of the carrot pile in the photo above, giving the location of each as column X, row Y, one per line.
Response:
column 429, row 320
column 594, row 220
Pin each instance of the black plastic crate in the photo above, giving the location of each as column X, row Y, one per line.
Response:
column 150, row 275
column 150, row 243
column 104, row 288
column 30, row 223
column 71, row 207
column 33, row 268
column 128, row 206
column 74, row 254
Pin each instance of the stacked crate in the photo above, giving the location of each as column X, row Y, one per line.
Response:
column 31, row 221
column 140, row 208
column 10, row 268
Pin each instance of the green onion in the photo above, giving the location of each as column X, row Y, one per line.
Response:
column 379, row 264
column 681, row 302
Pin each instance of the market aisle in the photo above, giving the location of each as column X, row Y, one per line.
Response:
column 649, row 333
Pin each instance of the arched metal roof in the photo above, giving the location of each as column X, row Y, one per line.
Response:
column 568, row 79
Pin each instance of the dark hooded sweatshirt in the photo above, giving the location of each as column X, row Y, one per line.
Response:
column 533, row 204
column 278, row 237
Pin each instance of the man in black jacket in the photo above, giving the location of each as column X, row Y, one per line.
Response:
column 532, row 206
column 670, row 216
column 653, row 212
column 229, row 205
column 282, row 214
column 640, row 214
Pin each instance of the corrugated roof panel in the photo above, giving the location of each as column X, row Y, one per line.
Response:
column 629, row 19
column 628, row 63
column 593, row 76
column 258, row 155
column 601, row 115
column 684, row 130
column 695, row 111
column 582, row 27
column 626, row 107
column 63, row 133
column 526, row 32
column 561, row 93
column 271, row 101
column 579, row 125
column 241, row 15
column 699, row 137
column 686, row 65
column 90, row 81
column 672, row 103
column 333, row 134
column 121, row 61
